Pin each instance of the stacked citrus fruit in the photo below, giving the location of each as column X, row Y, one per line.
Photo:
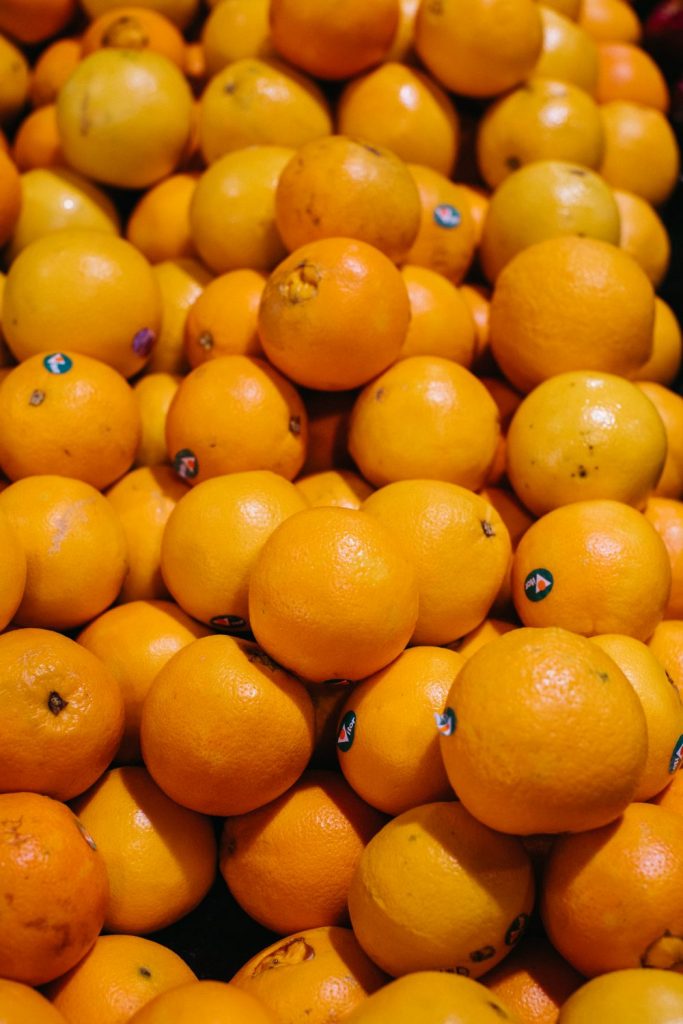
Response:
column 341, row 514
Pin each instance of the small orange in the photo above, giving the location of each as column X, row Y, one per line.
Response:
column 159, row 223
column 478, row 298
column 387, row 743
column 631, row 996
column 160, row 857
column 224, row 729
column 328, row 425
column 441, row 323
column 232, row 211
column 260, row 102
column 213, row 537
column 666, row 643
column 153, row 393
column 593, row 567
column 403, row 109
column 534, row 981
column 542, row 120
column 289, row 864
column 222, row 321
column 52, row 68
column 570, row 303
column 481, row 47
column 181, row 12
column 181, row 282
column 424, row 417
column 235, row 29
column 339, row 186
column 332, row 595
column 329, row 41
column 486, row 631
column 334, row 487
column 15, row 79
column 63, row 712
column 134, row 641
column 37, row 142
column 22, row 1002
column 611, row 896
column 53, row 873
column 134, row 28
column 14, row 574
column 569, row 53
column 447, row 235
column 669, row 405
column 119, row 975
column 666, row 515
column 532, row 744
column 75, row 550
column 610, row 21
column 235, row 399
column 33, row 21
column 65, row 413
column 208, row 1001
column 643, row 235
column 667, row 347
column 320, row 973
column 10, row 197
column 433, row 996
column 416, row 877
column 627, row 72
column 142, row 501
column 641, row 153
column 334, row 314
column 85, row 291
column 508, row 400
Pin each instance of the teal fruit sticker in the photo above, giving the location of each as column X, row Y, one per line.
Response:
column 538, row 584
column 186, row 464
column 57, row 363
column 445, row 722
column 677, row 755
column 347, row 731
column 516, row 929
column 446, row 216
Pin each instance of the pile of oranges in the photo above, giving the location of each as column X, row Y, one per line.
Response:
column 341, row 513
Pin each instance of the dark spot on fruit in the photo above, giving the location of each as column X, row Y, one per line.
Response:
column 603, row 676
column 56, row 702
column 86, row 835
column 229, row 87
column 379, row 394
column 37, row 397
column 66, row 452
column 577, row 171
column 372, row 149
column 487, row 528
column 513, row 163
column 582, row 471
column 295, row 425
column 145, row 972
column 205, row 340
column 485, row 953
column 499, row 1010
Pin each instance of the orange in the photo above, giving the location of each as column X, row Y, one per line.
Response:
column 670, row 797
column 661, row 704
column 63, row 714
column 534, row 745
column 334, row 487
column 643, row 235
column 387, row 743
column 327, row 704
column 135, row 28
column 424, row 417
column 125, row 117
column 404, row 36
column 14, row 80
column 222, row 321
column 181, row 282
column 666, row 515
column 593, row 567
column 225, row 730
column 542, row 200
column 627, row 72
column 180, row 12
column 230, row 399
column 641, row 153
column 334, row 314
column 432, row 997
column 328, row 422
column 52, row 68
column 478, row 200
column 232, row 211
column 134, row 641
column 584, row 435
column 213, row 537
column 441, row 323
column 160, row 857
column 534, row 981
column 610, row 21
column 669, row 405
column 542, row 120
column 75, row 550
column 235, row 29
column 403, row 109
column 154, row 393
column 478, row 298
column 36, row 142
column 119, row 975
column 437, row 890
column 569, row 53
column 85, row 291
column 212, row 1002
column 142, row 501
column 159, row 223
column 10, row 197
column 68, row 414
column 666, row 643
column 447, row 234
column 458, row 545
column 511, row 511
column 611, row 897
column 631, row 996
column 665, row 360
column 260, row 102
column 342, row 186
column 570, row 303
column 486, row 631
column 14, row 572
column 320, row 973
column 507, row 400
column 53, row 873
column 332, row 595
column 480, row 47
column 33, row 21
column 21, row 1002
column 54, row 198
column 289, row 863
column 329, row 41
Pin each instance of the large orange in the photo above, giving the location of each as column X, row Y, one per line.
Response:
column 434, row 997
column 631, row 996
column 211, row 1001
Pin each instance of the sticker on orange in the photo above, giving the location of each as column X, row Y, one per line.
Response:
column 446, row 215
column 445, row 722
column 57, row 363
column 347, row 731
column 538, row 584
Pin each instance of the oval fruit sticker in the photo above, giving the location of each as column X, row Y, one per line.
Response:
column 186, row 464
column 347, row 731
column 446, row 216
column 538, row 584
column 445, row 722
column 57, row 363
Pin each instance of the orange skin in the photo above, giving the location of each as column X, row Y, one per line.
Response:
column 14, row 577
column 135, row 28
column 441, row 323
column 611, row 21
column 22, row 1002
column 204, row 1000
column 534, row 981
column 32, row 21
column 627, row 72
column 51, row 70
column 667, row 347
column 447, row 234
column 234, row 30
column 223, row 319
column 669, row 405
column 10, row 197
column 37, row 142
column 666, row 515
column 159, row 223
column 641, row 153
column 666, row 643
column 569, row 53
